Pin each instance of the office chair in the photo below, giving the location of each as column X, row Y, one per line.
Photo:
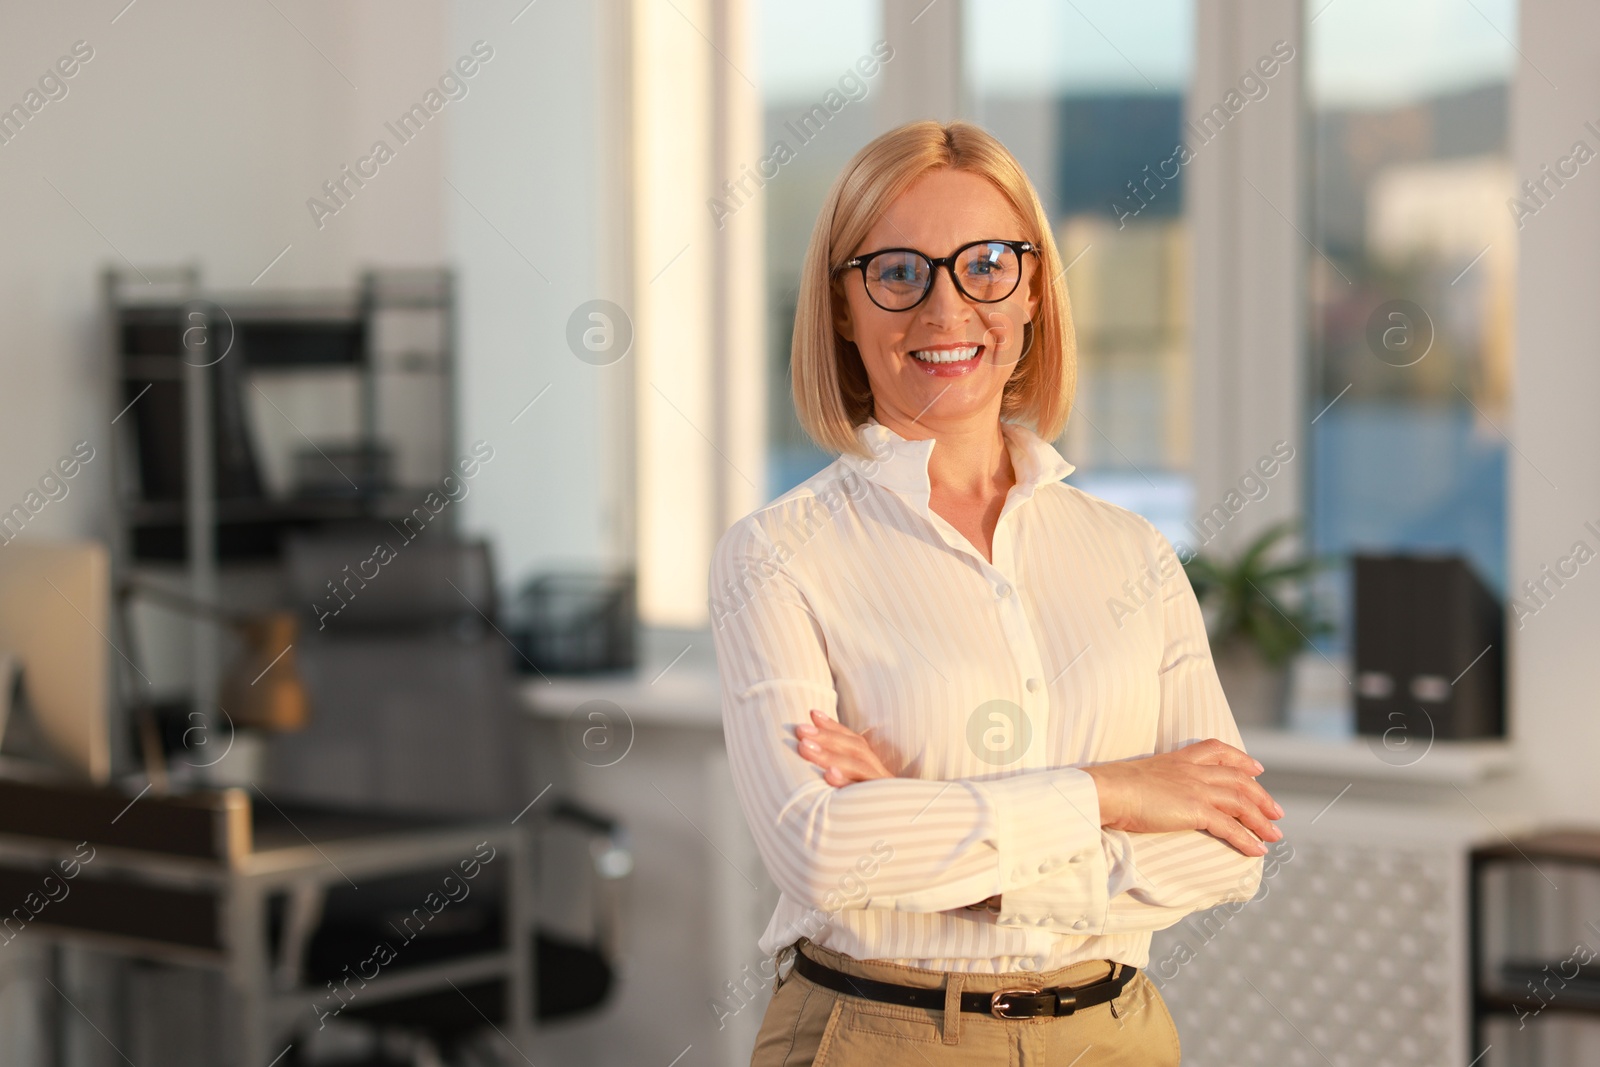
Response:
column 413, row 709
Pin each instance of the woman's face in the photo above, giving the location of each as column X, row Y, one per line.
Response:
column 944, row 210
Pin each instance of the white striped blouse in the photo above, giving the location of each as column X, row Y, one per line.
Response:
column 987, row 687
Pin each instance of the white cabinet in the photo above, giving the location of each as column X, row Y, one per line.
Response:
column 1354, row 951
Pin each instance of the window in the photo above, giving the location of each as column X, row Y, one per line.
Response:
column 1091, row 101
column 818, row 111
column 1411, row 283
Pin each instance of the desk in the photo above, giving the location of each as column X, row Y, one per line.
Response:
column 190, row 880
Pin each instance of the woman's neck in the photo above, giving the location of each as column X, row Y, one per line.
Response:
column 970, row 460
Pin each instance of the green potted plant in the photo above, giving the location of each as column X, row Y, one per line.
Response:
column 1255, row 629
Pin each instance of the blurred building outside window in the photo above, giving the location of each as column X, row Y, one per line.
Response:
column 818, row 111
column 1411, row 284
column 1091, row 101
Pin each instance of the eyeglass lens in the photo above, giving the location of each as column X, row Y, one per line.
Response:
column 986, row 273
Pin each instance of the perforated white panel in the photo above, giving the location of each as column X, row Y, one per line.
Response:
column 1352, row 954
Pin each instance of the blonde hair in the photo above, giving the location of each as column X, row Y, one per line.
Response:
column 832, row 395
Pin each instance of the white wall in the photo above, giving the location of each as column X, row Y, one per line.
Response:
column 526, row 231
column 198, row 131
column 1555, row 673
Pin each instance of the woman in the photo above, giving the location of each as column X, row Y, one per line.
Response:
column 971, row 711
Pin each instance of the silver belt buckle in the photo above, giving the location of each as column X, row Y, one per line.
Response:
column 997, row 1003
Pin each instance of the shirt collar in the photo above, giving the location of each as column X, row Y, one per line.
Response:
column 901, row 465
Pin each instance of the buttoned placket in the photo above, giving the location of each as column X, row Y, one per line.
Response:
column 1032, row 693
column 904, row 475
column 903, row 472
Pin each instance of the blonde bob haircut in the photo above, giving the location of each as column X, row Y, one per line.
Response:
column 832, row 395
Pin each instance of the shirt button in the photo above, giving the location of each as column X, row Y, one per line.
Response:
column 1080, row 924
column 1033, row 685
column 1076, row 857
column 1003, row 589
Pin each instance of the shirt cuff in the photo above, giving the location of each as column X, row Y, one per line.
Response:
column 1123, row 873
column 1053, row 858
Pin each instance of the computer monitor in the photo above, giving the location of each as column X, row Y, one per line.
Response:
column 55, row 600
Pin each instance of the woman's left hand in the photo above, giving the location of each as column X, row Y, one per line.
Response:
column 844, row 754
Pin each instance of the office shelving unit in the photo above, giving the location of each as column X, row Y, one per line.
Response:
column 1535, row 948
column 383, row 351
column 240, row 417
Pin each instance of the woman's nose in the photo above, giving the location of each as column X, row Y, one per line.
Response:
column 945, row 305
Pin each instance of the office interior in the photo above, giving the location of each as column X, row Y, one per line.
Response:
column 378, row 377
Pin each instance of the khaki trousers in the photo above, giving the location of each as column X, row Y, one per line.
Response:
column 807, row 1025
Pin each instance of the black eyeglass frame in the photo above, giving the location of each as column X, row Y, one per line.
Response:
column 1021, row 248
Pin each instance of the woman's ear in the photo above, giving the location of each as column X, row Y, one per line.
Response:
column 1035, row 287
column 841, row 313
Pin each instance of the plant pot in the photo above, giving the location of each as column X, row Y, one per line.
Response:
column 1257, row 692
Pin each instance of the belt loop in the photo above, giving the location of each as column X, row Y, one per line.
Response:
column 952, row 1006
column 778, row 973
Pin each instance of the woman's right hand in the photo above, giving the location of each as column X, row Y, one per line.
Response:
column 1209, row 785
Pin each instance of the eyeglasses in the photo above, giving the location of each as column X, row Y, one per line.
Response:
column 898, row 279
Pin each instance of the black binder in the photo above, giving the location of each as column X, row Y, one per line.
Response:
column 1429, row 648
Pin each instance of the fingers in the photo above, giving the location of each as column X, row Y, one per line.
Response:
column 826, row 733
column 842, row 753
column 1252, row 819
column 1263, row 800
column 1214, row 751
column 1243, row 806
column 1241, row 798
column 1252, row 792
column 829, row 754
column 842, row 767
column 1233, row 833
column 823, row 724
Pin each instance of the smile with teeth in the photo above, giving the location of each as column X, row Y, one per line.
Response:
column 947, row 355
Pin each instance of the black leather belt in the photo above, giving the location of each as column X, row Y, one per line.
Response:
column 1013, row 1003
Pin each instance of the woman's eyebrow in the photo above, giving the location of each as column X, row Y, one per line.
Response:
column 924, row 251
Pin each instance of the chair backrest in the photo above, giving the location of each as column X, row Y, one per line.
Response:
column 412, row 704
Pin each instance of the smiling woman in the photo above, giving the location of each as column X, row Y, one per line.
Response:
column 933, row 670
